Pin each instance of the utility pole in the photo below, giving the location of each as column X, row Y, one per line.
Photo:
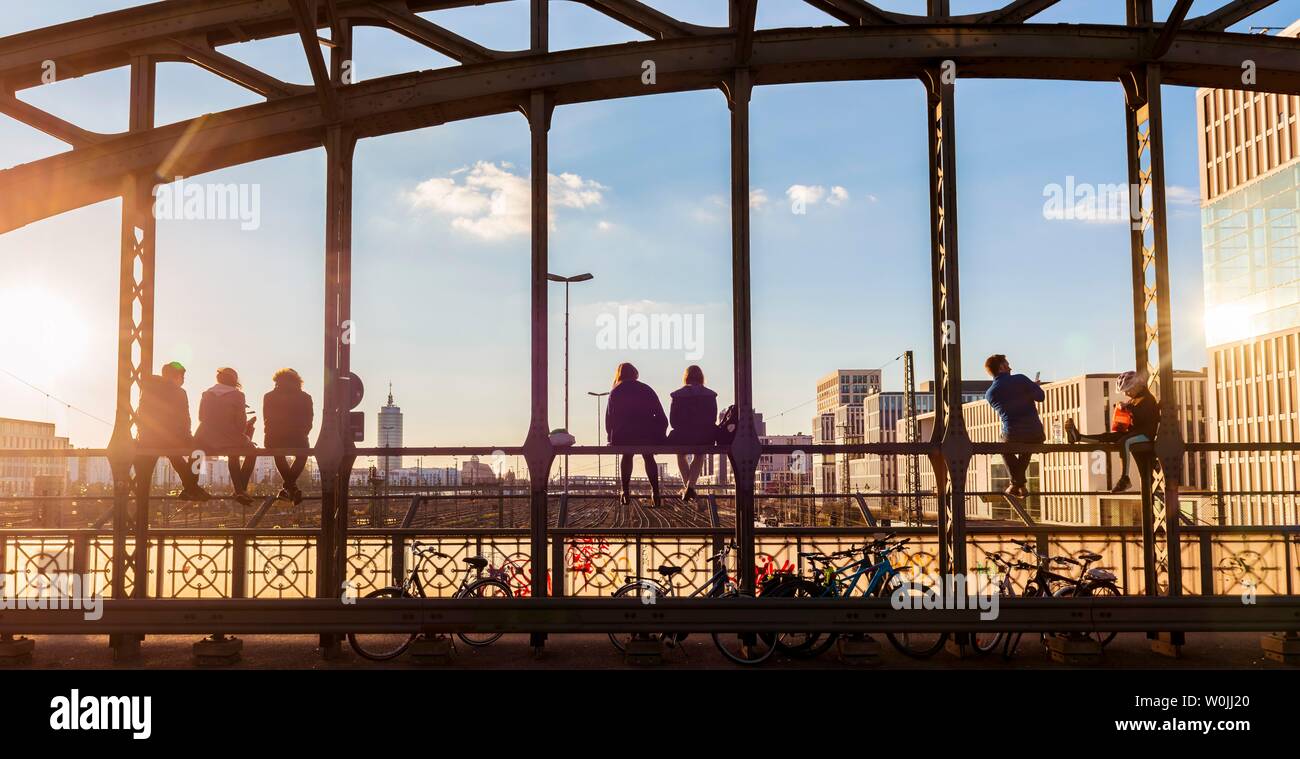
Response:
column 913, row 482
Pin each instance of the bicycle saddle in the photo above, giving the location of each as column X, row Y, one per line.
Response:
column 1089, row 556
column 477, row 562
column 669, row 571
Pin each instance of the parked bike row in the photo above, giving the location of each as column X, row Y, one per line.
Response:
column 878, row 569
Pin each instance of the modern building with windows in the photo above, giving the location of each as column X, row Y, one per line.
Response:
column 18, row 476
column 1250, row 230
column 390, row 433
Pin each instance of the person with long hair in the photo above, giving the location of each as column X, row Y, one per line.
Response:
column 694, row 414
column 224, row 425
column 288, row 413
column 634, row 416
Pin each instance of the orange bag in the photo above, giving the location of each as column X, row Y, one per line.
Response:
column 1122, row 421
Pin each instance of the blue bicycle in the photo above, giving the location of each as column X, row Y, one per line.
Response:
column 871, row 561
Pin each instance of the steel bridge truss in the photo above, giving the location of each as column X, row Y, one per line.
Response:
column 334, row 112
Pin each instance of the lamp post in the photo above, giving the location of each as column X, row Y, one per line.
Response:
column 598, row 396
column 567, row 281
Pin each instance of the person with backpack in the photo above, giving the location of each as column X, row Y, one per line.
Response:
column 1015, row 397
column 164, row 422
column 223, row 425
column 693, row 409
column 634, row 416
column 288, row 413
column 1134, row 421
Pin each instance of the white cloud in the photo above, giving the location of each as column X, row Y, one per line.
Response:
column 604, row 226
column 839, row 196
column 806, row 194
column 1182, row 196
column 491, row 202
column 757, row 198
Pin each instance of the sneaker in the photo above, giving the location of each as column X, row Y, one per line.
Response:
column 1022, row 491
column 195, row 493
column 624, row 500
column 690, row 495
column 283, row 495
column 1071, row 431
column 1122, row 486
column 296, row 496
column 1012, row 490
column 244, row 499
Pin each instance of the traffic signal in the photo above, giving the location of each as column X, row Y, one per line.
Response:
column 352, row 391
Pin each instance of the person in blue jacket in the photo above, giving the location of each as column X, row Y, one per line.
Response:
column 1015, row 397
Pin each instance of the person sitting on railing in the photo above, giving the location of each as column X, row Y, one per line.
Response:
column 223, row 425
column 164, row 422
column 634, row 416
column 1014, row 397
column 288, row 413
column 692, row 413
column 1135, row 421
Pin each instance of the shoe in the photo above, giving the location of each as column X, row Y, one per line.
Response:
column 296, row 495
column 1022, row 491
column 283, row 495
column 624, row 500
column 244, row 499
column 1071, row 431
column 1122, row 486
column 689, row 495
column 657, row 501
column 195, row 494
column 1012, row 490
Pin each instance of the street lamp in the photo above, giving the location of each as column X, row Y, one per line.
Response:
column 567, row 281
column 598, row 396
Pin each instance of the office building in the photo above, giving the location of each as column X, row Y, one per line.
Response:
column 18, row 476
column 390, row 433
column 1249, row 151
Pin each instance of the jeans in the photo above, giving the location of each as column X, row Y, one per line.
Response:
column 1018, row 463
column 1127, row 441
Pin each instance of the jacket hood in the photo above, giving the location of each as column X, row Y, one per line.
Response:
column 688, row 391
column 220, row 389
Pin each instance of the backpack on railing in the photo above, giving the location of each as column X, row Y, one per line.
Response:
column 727, row 426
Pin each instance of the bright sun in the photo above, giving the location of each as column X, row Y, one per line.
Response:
column 41, row 334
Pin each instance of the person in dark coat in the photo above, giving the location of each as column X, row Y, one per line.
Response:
column 1015, row 397
column 223, row 425
column 634, row 416
column 164, row 422
column 693, row 414
column 1144, row 408
column 288, row 414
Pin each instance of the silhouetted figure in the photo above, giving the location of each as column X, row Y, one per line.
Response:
column 1014, row 397
column 694, row 414
column 164, row 422
column 223, row 425
column 288, row 414
column 1135, row 421
column 635, row 416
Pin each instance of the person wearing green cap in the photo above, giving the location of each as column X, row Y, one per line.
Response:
column 164, row 422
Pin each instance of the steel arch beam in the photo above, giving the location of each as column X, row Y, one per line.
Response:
column 47, row 187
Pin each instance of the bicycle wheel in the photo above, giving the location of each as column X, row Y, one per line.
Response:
column 1102, row 590
column 649, row 593
column 485, row 588
column 381, row 646
column 1011, row 641
column 747, row 648
column 987, row 641
column 801, row 645
column 918, row 645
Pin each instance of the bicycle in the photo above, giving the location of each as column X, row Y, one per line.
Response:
column 828, row 581
column 1091, row 582
column 751, row 648
column 383, row 646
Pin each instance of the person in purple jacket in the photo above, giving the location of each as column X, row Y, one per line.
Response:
column 635, row 416
column 1015, row 397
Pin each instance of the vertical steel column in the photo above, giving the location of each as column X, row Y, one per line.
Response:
column 334, row 444
column 134, row 359
column 538, row 452
column 1152, row 325
column 949, row 433
column 745, row 449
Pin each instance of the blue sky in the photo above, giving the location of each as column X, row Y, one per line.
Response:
column 441, row 277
